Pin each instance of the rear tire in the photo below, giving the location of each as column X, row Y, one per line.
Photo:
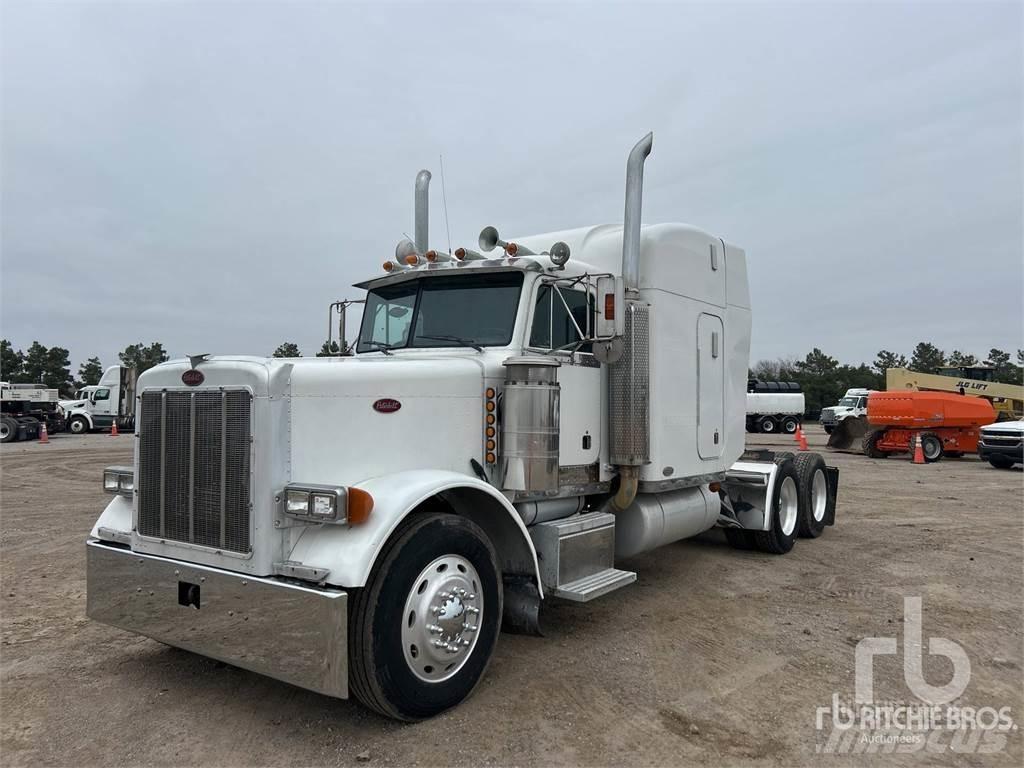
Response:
column 8, row 430
column 767, row 425
column 814, row 497
column 433, row 561
column 1000, row 462
column 931, row 446
column 870, row 444
column 785, row 515
column 789, row 425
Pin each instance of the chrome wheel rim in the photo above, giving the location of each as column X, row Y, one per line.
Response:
column 441, row 620
column 787, row 506
column 77, row 426
column 5, row 430
column 931, row 449
column 768, row 426
column 819, row 495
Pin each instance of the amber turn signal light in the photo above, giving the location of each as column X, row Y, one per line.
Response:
column 360, row 504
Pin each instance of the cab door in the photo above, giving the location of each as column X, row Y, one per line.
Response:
column 553, row 332
column 710, row 386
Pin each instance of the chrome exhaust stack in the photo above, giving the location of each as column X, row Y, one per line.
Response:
column 629, row 413
column 631, row 219
column 422, row 211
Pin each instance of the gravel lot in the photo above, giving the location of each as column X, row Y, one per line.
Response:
column 714, row 656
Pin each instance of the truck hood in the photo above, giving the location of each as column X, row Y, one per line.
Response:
column 1005, row 428
column 345, row 420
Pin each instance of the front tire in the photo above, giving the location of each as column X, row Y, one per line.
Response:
column 828, row 428
column 1000, row 462
column 785, row 506
column 78, row 425
column 423, row 629
column 870, row 444
column 931, row 447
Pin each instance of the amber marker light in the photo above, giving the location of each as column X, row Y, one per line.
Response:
column 360, row 504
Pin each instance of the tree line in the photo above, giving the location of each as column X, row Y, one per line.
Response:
column 51, row 366
column 824, row 380
column 821, row 377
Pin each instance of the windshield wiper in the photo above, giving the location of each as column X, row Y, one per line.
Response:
column 457, row 339
column 385, row 348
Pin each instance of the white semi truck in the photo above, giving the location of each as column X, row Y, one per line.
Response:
column 852, row 405
column 102, row 405
column 514, row 426
column 774, row 406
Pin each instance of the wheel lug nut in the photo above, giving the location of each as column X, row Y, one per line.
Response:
column 468, row 627
column 472, row 610
column 465, row 643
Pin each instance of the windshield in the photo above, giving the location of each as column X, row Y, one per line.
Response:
column 849, row 402
column 449, row 311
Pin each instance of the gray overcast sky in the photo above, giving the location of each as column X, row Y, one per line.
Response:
column 212, row 175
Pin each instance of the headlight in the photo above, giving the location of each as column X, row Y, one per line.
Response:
column 119, row 480
column 319, row 502
column 327, row 503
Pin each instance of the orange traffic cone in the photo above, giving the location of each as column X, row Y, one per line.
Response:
column 918, row 450
column 113, row 430
column 796, row 435
column 44, row 437
column 801, row 438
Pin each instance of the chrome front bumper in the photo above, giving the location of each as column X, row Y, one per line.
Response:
column 292, row 633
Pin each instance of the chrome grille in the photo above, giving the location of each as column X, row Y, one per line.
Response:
column 193, row 482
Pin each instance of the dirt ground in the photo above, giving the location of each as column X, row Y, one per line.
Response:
column 714, row 656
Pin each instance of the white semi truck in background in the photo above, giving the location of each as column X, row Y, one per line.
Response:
column 515, row 425
column 100, row 406
column 774, row 406
column 854, row 404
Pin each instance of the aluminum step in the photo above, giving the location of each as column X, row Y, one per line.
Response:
column 594, row 585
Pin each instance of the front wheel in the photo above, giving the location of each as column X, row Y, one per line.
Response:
column 1000, row 462
column 931, row 447
column 423, row 629
column 828, row 428
column 78, row 425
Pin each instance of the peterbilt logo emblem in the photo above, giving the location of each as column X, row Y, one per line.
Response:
column 192, row 378
column 386, row 405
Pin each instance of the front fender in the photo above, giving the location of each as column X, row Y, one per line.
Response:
column 349, row 552
column 115, row 523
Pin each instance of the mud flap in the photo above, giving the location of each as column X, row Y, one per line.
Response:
column 521, row 615
column 847, row 433
column 832, row 481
